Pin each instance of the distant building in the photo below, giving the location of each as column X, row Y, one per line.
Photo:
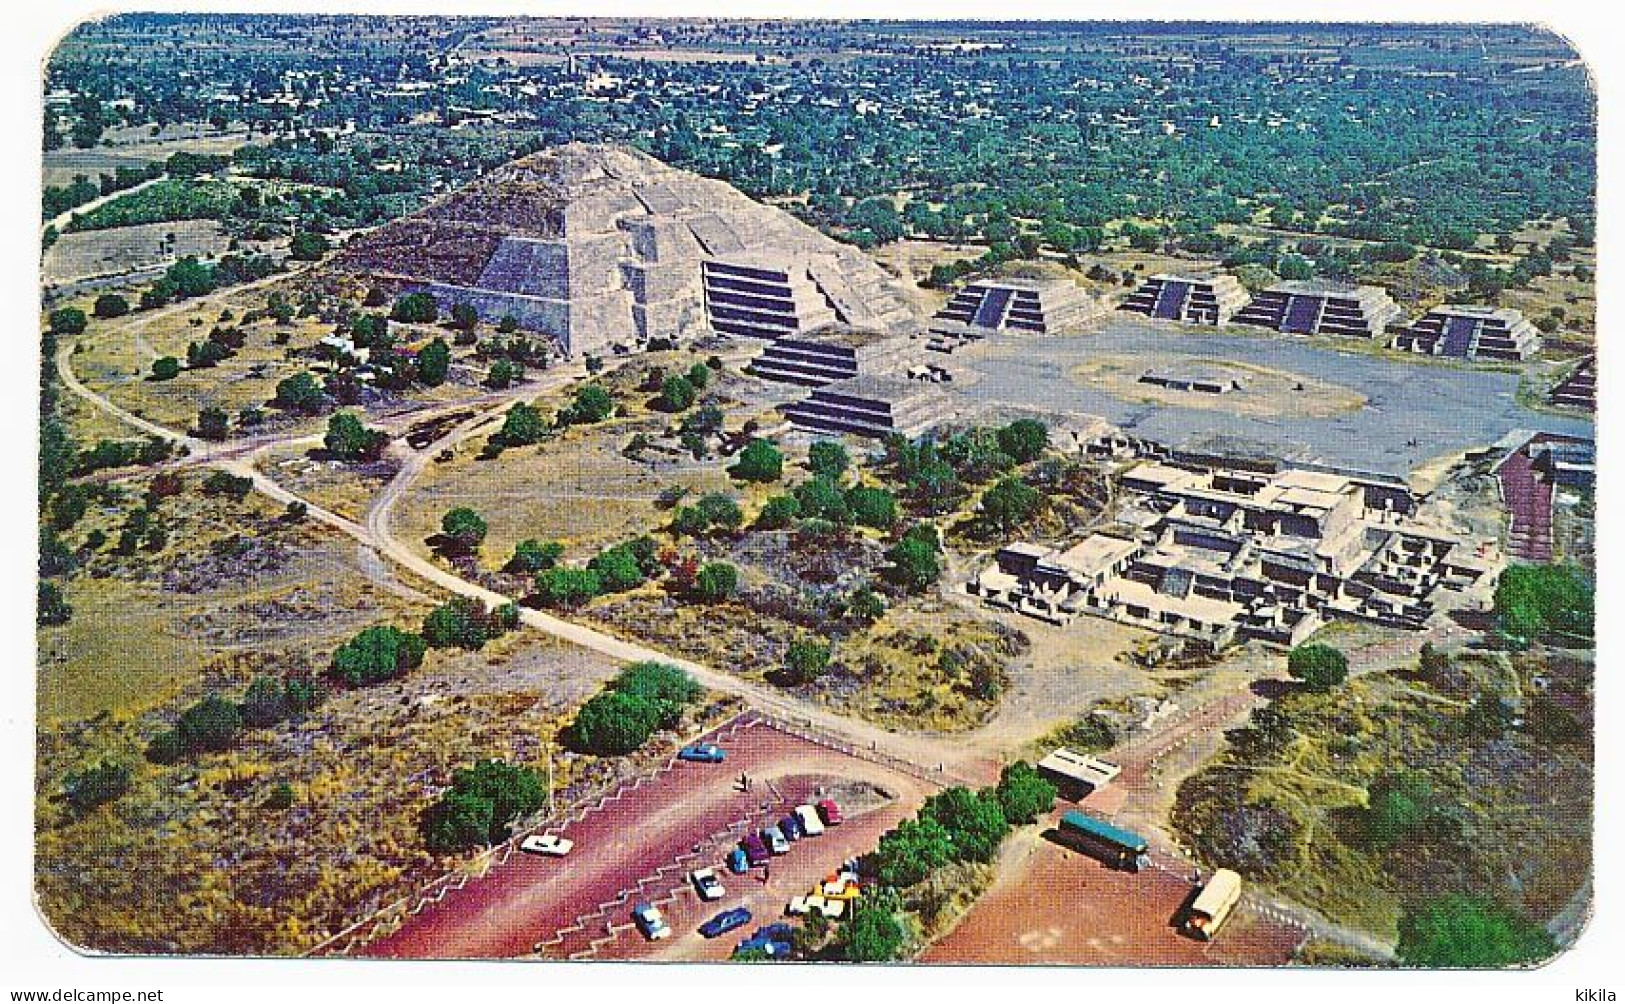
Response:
column 1224, row 554
column 1471, row 332
column 1194, row 300
column 1322, row 307
column 1579, row 388
column 1039, row 306
column 869, row 406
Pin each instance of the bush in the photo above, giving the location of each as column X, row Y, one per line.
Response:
column 111, row 305
column 84, row 790
column 760, row 461
column 209, row 726
column 644, row 698
column 872, row 507
column 805, row 661
column 1461, row 932
column 822, row 498
column 415, row 308
column 165, row 747
column 463, row 528
column 567, row 588
column 1023, row 793
column 464, row 622
column 522, row 426
column 1317, row 667
column 778, row 513
column 307, row 246
column 300, row 392
column 480, row 804
column 828, row 459
column 872, row 934
column 677, row 393
column 909, row 852
column 67, row 321
column 1024, row 439
column 51, row 608
column 914, row 564
column 378, row 653
column 974, row 820
column 532, row 556
column 716, row 581
column 434, row 362
column 592, row 404
column 348, row 439
column 166, row 368
column 1533, row 601
column 657, row 681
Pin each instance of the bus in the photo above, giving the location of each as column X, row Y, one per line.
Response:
column 1099, row 839
column 1213, row 905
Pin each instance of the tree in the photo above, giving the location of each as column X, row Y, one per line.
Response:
column 210, row 725
column 1023, row 793
column 1318, row 667
column 778, row 512
column 415, row 308
column 677, row 393
column 434, row 361
column 348, row 439
column 377, row 653
column 909, row 853
column 805, row 661
column 111, row 305
column 532, row 556
column 618, row 568
column 873, row 507
column 821, row 498
column 657, row 681
column 974, row 820
column 523, row 425
column 827, row 458
column 592, row 404
column 1532, row 601
column 720, row 511
column 1396, row 805
column 716, row 581
column 460, row 820
column 464, row 622
column 1456, row 931
column 300, row 392
column 464, row 529
column 503, row 373
column 67, row 321
column 1010, row 503
column 464, row 317
column 914, row 564
column 84, row 790
column 760, row 461
column 307, row 246
column 213, row 423
column 865, row 605
column 166, row 368
column 614, row 723
column 52, row 608
column 567, row 588
column 699, row 375
column 872, row 934
column 1024, row 439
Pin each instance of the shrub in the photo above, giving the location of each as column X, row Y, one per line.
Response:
column 872, row 507
column 480, row 804
column 111, row 305
column 532, row 556
column 778, row 512
column 377, row 653
column 348, row 439
column 872, row 934
column 300, row 392
column 1462, row 932
column 522, row 426
column 805, row 661
column 677, row 393
column 1023, row 793
column 415, row 308
column 434, row 362
column 914, row 564
column 716, row 581
column 1024, row 439
column 464, row 622
column 1318, row 667
column 464, row 529
column 974, row 820
column 210, row 725
column 84, row 790
column 166, row 368
column 828, row 459
column 67, row 321
column 1532, row 601
column 760, row 461
column 567, row 588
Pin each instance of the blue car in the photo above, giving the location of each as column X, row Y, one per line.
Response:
column 738, row 861
column 703, row 753
column 773, row 949
column 725, row 921
column 790, row 826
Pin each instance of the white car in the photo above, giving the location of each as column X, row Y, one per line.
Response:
column 811, row 825
column 547, row 844
column 707, row 884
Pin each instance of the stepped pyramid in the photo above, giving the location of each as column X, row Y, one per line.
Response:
column 603, row 246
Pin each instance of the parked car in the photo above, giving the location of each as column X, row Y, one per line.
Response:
column 707, row 884
column 830, row 812
column 738, row 861
column 725, row 921
column 648, row 919
column 773, row 837
column 773, row 948
column 811, row 824
column 547, row 844
column 703, row 753
column 755, row 850
column 791, row 827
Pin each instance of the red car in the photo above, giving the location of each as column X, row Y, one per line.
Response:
column 830, row 812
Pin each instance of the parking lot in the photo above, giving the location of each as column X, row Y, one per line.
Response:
column 641, row 844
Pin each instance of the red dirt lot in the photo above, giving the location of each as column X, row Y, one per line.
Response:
column 642, row 842
column 1053, row 905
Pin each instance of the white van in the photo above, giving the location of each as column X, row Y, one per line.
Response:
column 811, row 825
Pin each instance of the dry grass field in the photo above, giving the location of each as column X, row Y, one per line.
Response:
column 96, row 253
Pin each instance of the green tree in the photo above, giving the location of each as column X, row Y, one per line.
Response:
column 1456, row 931
column 522, row 426
column 348, row 439
column 67, row 321
column 532, row 556
column 592, row 404
column 614, row 723
column 300, row 392
column 213, row 423
column 716, row 581
column 618, row 568
column 677, row 393
column 874, row 507
column 51, row 608
column 827, row 458
column 464, row 317
column 778, row 512
column 377, row 653
column 84, row 790
column 503, row 373
column 1023, row 793
column 657, row 681
column 1318, row 667
column 463, row 528
column 111, row 305
column 1024, row 439
column 760, row 461
column 1532, row 601
column 1010, row 503
column 415, row 308
column 210, row 725
column 699, row 375
column 974, row 820
column 1396, row 805
column 567, row 588
column 307, row 246
column 434, row 362
column 822, row 498
column 459, row 821
column 805, row 661
column 872, row 934
column 909, row 853
column 914, row 564
column 720, row 511
column 166, row 368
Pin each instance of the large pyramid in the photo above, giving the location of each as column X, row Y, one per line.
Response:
column 602, row 245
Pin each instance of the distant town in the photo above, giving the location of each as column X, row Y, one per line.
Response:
column 1107, row 494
